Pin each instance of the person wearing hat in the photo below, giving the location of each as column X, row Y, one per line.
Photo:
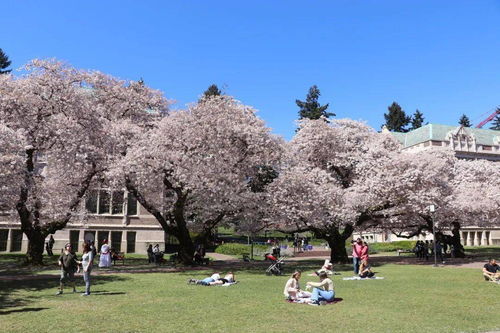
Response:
column 69, row 265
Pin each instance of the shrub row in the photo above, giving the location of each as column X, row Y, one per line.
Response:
column 392, row 246
column 236, row 249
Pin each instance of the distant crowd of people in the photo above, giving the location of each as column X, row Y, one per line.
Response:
column 425, row 249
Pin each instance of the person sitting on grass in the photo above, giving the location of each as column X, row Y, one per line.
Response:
column 322, row 291
column 327, row 268
column 69, row 265
column 365, row 269
column 292, row 288
column 491, row 271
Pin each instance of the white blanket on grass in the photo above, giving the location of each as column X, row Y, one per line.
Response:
column 360, row 278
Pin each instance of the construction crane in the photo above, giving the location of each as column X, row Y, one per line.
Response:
column 490, row 117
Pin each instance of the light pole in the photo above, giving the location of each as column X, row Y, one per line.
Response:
column 432, row 209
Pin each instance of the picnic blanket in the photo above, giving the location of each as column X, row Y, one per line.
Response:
column 306, row 301
column 360, row 278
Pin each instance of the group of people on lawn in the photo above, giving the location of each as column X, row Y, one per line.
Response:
column 70, row 264
column 321, row 293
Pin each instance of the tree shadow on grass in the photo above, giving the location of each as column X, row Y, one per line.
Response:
column 21, row 310
column 9, row 288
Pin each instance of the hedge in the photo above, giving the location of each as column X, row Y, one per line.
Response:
column 237, row 249
column 391, row 246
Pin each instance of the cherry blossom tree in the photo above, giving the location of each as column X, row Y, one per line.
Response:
column 333, row 180
column 193, row 171
column 67, row 124
column 464, row 193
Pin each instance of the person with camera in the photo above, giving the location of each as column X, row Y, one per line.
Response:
column 359, row 250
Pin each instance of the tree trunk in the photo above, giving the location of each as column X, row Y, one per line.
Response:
column 458, row 249
column 186, row 247
column 336, row 241
column 34, row 255
column 338, row 252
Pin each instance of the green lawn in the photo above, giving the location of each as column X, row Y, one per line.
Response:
column 410, row 299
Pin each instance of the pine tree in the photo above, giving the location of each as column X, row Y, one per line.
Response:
column 417, row 120
column 495, row 125
column 4, row 63
column 311, row 109
column 464, row 121
column 396, row 119
column 213, row 90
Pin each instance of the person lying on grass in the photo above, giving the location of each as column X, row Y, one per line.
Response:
column 292, row 290
column 214, row 280
column 365, row 269
column 322, row 290
column 491, row 271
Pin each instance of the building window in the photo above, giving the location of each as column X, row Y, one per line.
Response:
column 116, row 240
column 4, row 235
column 101, row 236
column 131, row 241
column 107, row 202
column 488, row 148
column 104, row 202
column 117, row 202
column 131, row 205
column 16, row 240
column 73, row 239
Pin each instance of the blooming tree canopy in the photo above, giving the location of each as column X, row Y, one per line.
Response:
column 66, row 125
column 192, row 171
column 332, row 180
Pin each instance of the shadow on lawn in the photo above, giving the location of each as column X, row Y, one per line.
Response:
column 8, row 289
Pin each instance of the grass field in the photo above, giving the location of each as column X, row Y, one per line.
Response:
column 409, row 299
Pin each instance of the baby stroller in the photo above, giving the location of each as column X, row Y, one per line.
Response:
column 276, row 267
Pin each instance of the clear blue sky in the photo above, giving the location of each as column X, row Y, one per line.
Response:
column 442, row 57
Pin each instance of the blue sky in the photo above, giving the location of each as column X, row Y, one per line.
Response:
column 442, row 57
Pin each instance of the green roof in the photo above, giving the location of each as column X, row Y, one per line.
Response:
column 438, row 132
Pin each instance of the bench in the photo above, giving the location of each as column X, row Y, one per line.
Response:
column 404, row 251
column 118, row 256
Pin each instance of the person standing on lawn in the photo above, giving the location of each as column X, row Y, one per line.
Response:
column 357, row 252
column 87, row 260
column 105, row 257
column 69, row 265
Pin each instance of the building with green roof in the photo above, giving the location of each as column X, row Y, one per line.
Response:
column 467, row 142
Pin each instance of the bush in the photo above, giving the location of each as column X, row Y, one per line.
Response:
column 391, row 246
column 237, row 249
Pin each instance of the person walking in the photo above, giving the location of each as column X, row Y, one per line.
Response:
column 87, row 262
column 69, row 265
column 149, row 250
column 50, row 246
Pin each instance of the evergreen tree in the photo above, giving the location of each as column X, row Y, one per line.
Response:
column 396, row 119
column 213, row 90
column 464, row 121
column 417, row 120
column 4, row 63
column 496, row 121
column 311, row 108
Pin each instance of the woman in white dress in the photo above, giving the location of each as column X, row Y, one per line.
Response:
column 105, row 258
